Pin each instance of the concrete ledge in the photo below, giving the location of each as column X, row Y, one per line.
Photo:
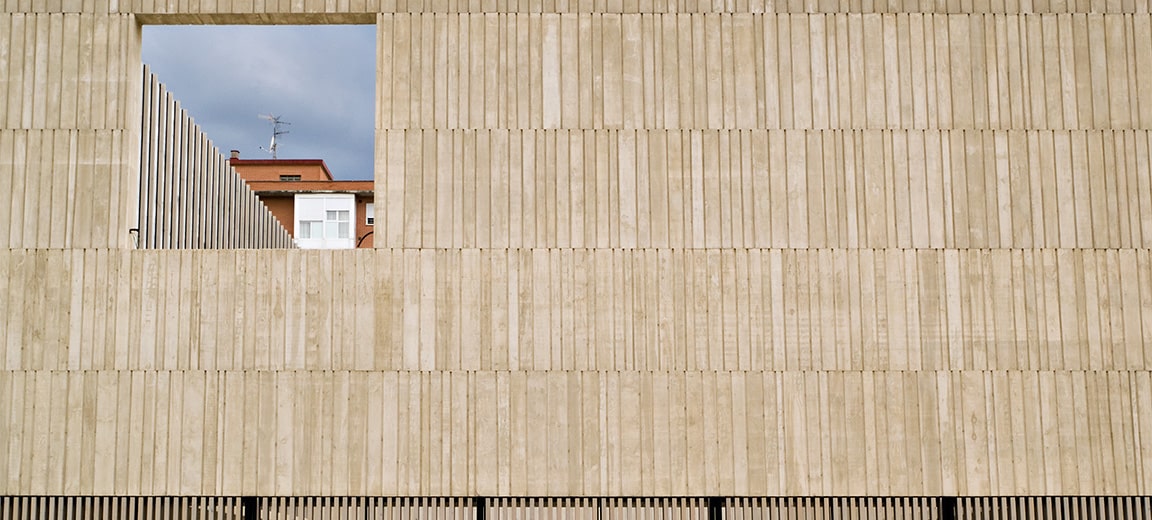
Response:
column 363, row 18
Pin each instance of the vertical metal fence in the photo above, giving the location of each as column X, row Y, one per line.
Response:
column 190, row 197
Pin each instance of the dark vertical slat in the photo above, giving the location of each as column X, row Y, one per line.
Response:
column 948, row 507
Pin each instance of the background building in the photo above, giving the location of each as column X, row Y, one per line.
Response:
column 318, row 211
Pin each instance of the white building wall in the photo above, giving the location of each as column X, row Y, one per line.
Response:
column 326, row 221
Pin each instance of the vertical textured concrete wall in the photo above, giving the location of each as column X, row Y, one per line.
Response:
column 69, row 108
column 625, row 248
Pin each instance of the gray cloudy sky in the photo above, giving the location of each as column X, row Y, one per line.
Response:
column 319, row 78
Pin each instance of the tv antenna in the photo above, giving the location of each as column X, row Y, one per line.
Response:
column 276, row 132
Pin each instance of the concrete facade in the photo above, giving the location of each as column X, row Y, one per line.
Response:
column 627, row 248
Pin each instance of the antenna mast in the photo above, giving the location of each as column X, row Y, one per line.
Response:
column 276, row 132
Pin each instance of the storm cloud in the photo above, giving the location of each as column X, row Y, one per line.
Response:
column 321, row 79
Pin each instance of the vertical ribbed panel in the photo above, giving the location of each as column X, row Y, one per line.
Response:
column 353, row 11
column 647, row 310
column 803, row 189
column 1070, row 508
column 653, row 71
column 822, row 508
column 464, row 508
column 370, row 508
column 597, row 508
column 566, row 433
column 120, row 508
column 763, row 130
column 69, row 112
column 190, row 197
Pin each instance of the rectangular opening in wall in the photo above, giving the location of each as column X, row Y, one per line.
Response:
column 287, row 110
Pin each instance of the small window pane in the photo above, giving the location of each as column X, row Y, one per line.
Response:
column 309, row 229
column 344, row 230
